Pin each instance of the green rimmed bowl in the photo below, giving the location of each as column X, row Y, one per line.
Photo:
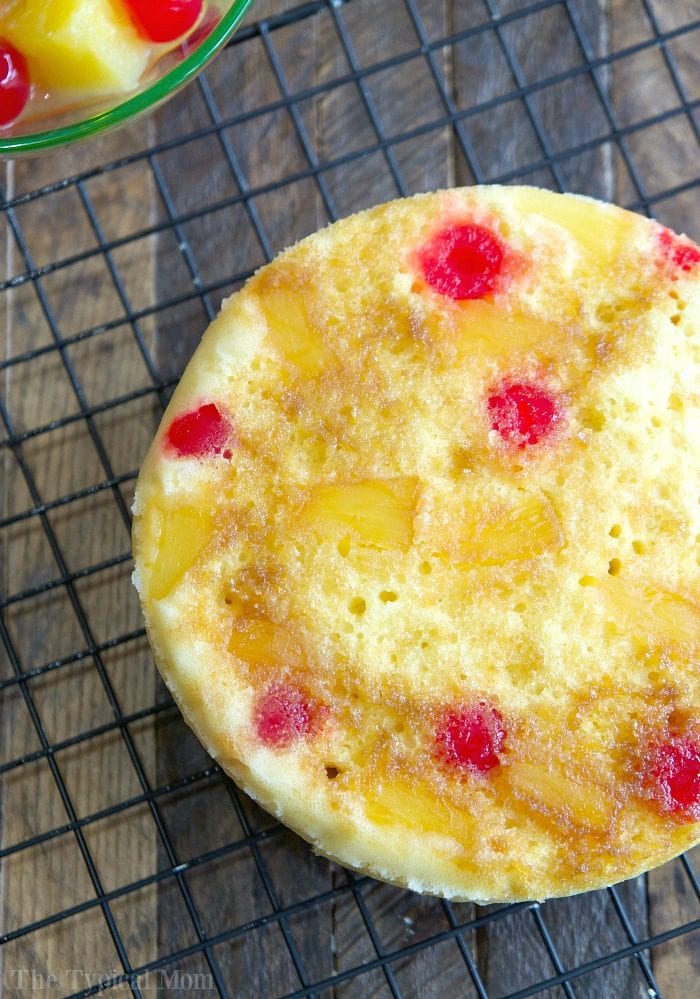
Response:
column 93, row 118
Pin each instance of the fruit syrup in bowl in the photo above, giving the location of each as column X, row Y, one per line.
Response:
column 71, row 69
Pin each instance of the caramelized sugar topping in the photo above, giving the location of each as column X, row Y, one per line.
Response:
column 402, row 566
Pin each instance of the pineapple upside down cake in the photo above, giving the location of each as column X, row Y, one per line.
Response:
column 417, row 542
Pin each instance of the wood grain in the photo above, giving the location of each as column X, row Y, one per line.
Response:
column 45, row 879
column 207, row 176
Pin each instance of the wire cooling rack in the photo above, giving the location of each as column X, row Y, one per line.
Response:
column 129, row 863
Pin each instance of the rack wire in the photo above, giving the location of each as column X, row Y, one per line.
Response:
column 614, row 112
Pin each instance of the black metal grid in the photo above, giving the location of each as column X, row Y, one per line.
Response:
column 448, row 122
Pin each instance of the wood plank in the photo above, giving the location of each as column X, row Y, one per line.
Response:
column 665, row 154
column 6, row 463
column 45, row 879
column 154, row 922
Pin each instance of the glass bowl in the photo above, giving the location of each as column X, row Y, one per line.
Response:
column 169, row 74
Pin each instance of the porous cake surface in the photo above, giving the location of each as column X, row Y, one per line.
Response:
column 417, row 542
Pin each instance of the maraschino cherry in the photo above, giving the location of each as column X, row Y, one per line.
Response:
column 15, row 84
column 470, row 737
column 164, row 20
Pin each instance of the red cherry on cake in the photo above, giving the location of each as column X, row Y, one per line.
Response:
column 164, row 20
column 14, row 83
column 200, row 432
column 284, row 714
column 470, row 737
column 523, row 413
column 678, row 251
column 462, row 261
column 672, row 776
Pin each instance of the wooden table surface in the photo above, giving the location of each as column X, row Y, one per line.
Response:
column 102, row 351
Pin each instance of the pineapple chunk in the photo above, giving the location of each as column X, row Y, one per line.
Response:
column 403, row 804
column 173, row 540
column 601, row 232
column 523, row 532
column 86, row 46
column 261, row 643
column 653, row 613
column 292, row 330
column 483, row 325
column 583, row 804
column 376, row 512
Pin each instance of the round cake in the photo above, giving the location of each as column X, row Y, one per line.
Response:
column 418, row 542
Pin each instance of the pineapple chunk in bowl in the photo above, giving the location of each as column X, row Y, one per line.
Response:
column 71, row 69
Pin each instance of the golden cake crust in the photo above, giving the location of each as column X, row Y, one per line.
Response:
column 417, row 542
